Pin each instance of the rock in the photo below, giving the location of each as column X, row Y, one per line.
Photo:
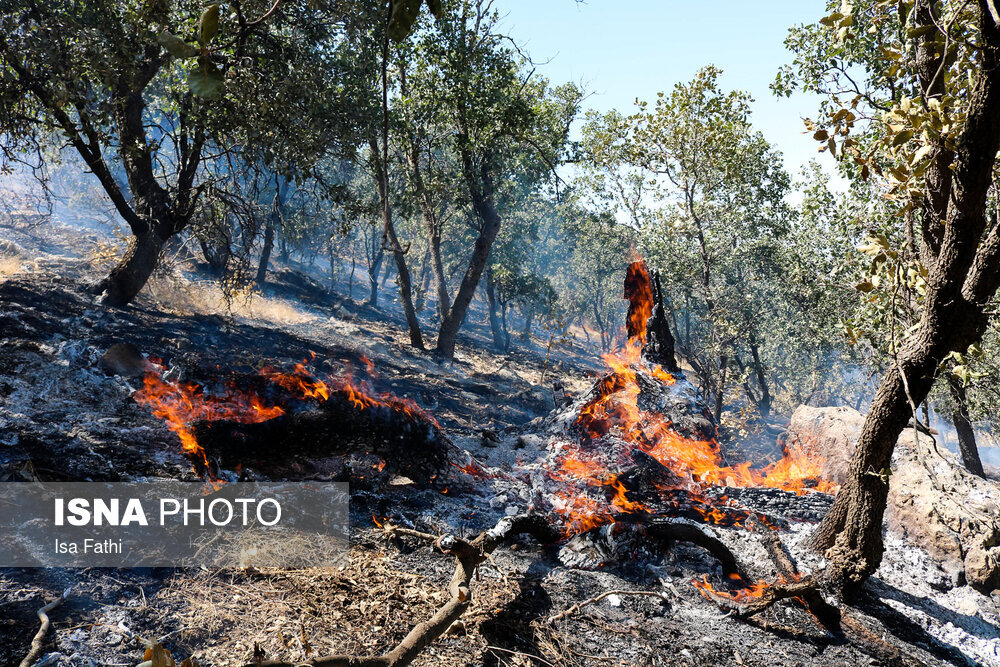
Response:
column 933, row 501
column 489, row 438
column 829, row 433
column 982, row 568
column 123, row 359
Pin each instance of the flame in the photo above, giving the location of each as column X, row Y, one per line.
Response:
column 584, row 468
column 748, row 591
column 181, row 404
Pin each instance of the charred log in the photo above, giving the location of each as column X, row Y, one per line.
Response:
column 410, row 443
column 659, row 347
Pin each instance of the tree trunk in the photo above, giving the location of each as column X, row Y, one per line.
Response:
column 491, row 299
column 481, row 191
column 764, row 403
column 431, row 223
column 350, row 279
column 967, row 449
column 720, row 390
column 963, row 277
column 273, row 220
column 529, row 315
column 373, row 270
column 388, row 228
column 132, row 272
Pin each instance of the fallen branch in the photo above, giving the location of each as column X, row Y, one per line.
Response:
column 552, row 620
column 682, row 531
column 468, row 556
column 37, row 642
column 773, row 594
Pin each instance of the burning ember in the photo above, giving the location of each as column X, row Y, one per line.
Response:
column 182, row 404
column 614, row 423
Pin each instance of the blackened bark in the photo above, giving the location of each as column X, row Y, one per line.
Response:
column 967, row 449
column 659, row 346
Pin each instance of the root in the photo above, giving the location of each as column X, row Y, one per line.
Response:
column 468, row 556
column 37, row 642
column 808, row 591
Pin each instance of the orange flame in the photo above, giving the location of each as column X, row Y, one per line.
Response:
column 181, row 404
column 615, row 410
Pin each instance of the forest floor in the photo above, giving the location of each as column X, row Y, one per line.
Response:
column 63, row 418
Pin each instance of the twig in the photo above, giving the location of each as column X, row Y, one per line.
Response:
column 552, row 620
column 37, row 641
column 468, row 556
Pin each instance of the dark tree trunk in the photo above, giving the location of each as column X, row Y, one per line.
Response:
column 216, row 255
column 529, row 315
column 350, row 279
column 481, row 191
column 499, row 344
column 967, row 448
column 764, row 402
column 388, row 228
column 432, row 226
column 373, row 270
column 273, row 220
column 132, row 271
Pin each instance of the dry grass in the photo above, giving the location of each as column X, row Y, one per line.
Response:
column 174, row 293
column 365, row 607
column 12, row 260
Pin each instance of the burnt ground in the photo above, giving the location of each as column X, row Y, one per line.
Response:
column 63, row 418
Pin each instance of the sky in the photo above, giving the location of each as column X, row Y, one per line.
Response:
column 623, row 49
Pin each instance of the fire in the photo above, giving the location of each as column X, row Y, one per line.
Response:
column 181, row 404
column 584, row 469
column 749, row 591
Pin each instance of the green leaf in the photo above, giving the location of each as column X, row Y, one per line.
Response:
column 176, row 46
column 404, row 15
column 902, row 137
column 919, row 30
column 208, row 27
column 205, row 80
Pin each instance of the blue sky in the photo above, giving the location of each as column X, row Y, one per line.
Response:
column 623, row 49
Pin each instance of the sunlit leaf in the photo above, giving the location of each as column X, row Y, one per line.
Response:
column 176, row 46
column 208, row 26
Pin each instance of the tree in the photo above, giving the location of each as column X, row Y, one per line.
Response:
column 932, row 140
column 507, row 131
column 155, row 99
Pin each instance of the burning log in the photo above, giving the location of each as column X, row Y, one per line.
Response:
column 267, row 417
